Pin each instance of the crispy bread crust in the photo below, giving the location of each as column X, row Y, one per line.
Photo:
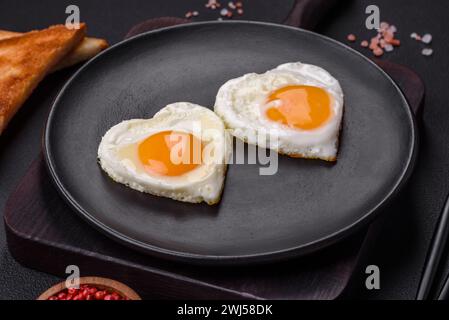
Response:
column 5, row 34
column 87, row 49
column 25, row 60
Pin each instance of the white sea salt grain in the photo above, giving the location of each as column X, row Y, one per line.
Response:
column 427, row 38
column 388, row 48
column 414, row 35
column 427, row 52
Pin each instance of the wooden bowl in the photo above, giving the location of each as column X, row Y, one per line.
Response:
column 100, row 283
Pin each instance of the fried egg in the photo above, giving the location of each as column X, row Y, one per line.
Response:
column 295, row 109
column 181, row 153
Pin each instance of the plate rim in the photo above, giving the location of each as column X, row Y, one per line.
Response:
column 271, row 256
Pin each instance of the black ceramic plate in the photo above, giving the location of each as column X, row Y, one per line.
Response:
column 307, row 205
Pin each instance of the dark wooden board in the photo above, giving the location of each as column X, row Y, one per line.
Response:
column 44, row 234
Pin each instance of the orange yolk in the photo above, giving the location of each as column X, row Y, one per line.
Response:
column 170, row 153
column 302, row 107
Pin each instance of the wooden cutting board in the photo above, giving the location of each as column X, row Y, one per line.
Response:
column 44, row 234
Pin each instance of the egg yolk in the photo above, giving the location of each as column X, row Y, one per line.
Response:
column 170, row 153
column 302, row 107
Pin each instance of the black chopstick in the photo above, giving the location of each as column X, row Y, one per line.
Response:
column 444, row 293
column 434, row 256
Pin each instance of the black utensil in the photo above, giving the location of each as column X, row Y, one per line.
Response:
column 444, row 293
column 433, row 259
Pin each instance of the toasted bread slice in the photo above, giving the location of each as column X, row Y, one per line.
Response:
column 5, row 34
column 25, row 60
column 86, row 50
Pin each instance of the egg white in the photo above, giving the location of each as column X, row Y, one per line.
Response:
column 118, row 156
column 241, row 103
